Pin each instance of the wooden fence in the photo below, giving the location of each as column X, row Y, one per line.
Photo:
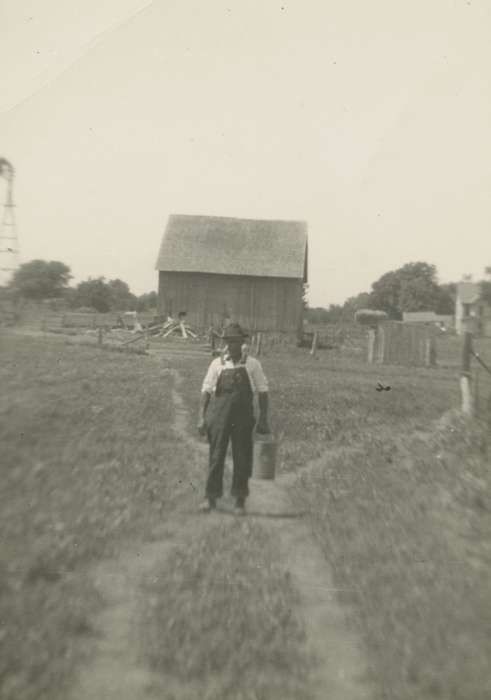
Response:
column 400, row 343
column 51, row 320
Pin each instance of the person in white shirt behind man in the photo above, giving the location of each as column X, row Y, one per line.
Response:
column 232, row 379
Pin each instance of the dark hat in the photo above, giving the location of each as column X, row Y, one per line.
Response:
column 234, row 332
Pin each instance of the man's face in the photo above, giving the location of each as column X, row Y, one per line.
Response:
column 235, row 347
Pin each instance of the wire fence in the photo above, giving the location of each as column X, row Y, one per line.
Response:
column 481, row 380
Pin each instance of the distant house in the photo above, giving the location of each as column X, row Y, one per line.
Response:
column 250, row 271
column 469, row 304
column 429, row 317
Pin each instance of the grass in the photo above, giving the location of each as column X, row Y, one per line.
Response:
column 85, row 436
column 404, row 520
column 398, row 497
column 220, row 619
column 400, row 505
column 331, row 401
column 91, row 463
column 399, row 501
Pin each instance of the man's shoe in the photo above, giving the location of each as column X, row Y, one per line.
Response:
column 207, row 506
column 239, row 508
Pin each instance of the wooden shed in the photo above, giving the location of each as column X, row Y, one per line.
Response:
column 250, row 271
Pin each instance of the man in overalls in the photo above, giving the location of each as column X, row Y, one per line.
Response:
column 233, row 379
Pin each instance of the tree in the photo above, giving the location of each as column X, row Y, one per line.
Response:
column 102, row 295
column 418, row 294
column 446, row 299
column 333, row 314
column 385, row 294
column 486, row 291
column 354, row 304
column 148, row 301
column 41, row 279
column 412, row 287
column 94, row 293
column 319, row 314
column 121, row 297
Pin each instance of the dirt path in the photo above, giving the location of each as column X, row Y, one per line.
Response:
column 118, row 672
column 340, row 669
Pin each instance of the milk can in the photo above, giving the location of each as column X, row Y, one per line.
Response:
column 264, row 456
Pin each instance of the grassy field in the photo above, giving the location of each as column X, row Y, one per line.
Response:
column 399, row 499
column 85, row 436
column 397, row 496
column 405, row 520
column 330, row 401
column 401, row 506
column 91, row 465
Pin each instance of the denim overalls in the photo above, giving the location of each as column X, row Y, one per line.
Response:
column 231, row 417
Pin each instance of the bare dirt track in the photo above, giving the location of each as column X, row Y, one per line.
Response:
column 339, row 669
column 118, row 668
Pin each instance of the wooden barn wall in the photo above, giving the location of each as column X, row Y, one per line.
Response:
column 257, row 303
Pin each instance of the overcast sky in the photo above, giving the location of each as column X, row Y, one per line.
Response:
column 369, row 120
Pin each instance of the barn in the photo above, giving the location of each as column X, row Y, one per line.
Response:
column 217, row 268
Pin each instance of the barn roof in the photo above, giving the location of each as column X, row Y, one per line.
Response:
column 234, row 246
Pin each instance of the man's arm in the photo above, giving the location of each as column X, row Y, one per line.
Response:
column 207, row 389
column 262, row 423
column 261, row 386
column 205, row 400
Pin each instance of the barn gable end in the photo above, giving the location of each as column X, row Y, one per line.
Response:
column 249, row 270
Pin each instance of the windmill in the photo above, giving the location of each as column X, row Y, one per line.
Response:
column 9, row 244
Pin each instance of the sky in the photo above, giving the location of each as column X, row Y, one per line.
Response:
column 369, row 120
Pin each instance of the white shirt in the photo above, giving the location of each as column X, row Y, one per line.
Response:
column 258, row 380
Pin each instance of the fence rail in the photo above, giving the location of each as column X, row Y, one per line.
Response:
column 89, row 320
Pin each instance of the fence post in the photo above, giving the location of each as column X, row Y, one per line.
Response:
column 371, row 345
column 476, row 391
column 430, row 351
column 465, row 373
column 381, row 345
column 259, row 343
column 313, row 349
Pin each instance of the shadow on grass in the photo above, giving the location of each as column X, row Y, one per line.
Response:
column 253, row 513
column 265, row 514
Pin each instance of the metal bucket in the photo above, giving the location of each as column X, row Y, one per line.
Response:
column 264, row 457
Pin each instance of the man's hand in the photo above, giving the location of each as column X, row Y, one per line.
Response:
column 262, row 426
column 205, row 400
